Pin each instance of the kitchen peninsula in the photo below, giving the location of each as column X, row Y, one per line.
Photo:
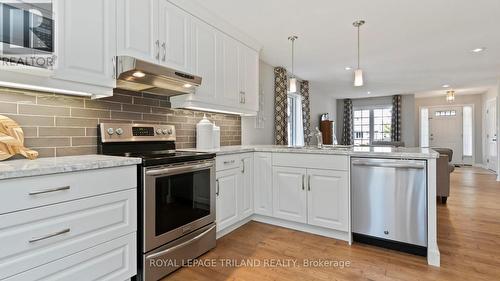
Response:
column 311, row 189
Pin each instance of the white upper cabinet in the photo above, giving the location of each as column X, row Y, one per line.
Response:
column 289, row 194
column 86, row 41
column 327, row 198
column 174, row 36
column 249, row 78
column 137, row 29
column 204, row 48
column 230, row 67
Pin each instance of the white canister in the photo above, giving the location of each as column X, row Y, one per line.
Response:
column 216, row 136
column 204, row 134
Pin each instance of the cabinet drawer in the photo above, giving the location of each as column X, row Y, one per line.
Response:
column 25, row 193
column 113, row 260
column 226, row 162
column 312, row 161
column 34, row 237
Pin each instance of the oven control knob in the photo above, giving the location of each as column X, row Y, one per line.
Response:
column 158, row 131
column 110, row 131
column 119, row 131
column 165, row 131
column 169, row 131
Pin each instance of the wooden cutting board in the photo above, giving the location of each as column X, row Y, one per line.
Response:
column 12, row 140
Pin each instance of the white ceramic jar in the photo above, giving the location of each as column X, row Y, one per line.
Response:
column 204, row 134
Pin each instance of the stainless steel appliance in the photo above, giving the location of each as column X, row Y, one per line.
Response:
column 389, row 203
column 142, row 76
column 176, row 194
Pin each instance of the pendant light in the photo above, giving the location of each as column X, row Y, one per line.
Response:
column 292, row 88
column 450, row 96
column 358, row 73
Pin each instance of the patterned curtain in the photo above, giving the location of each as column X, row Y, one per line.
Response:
column 280, row 106
column 306, row 110
column 396, row 118
column 347, row 137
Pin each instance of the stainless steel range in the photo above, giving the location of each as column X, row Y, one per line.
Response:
column 176, row 194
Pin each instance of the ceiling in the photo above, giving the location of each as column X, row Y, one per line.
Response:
column 406, row 46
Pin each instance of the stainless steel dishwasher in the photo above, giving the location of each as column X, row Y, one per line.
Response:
column 389, row 203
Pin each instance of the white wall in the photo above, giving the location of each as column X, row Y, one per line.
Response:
column 491, row 94
column 320, row 102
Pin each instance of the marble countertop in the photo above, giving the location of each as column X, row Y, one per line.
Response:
column 361, row 151
column 54, row 165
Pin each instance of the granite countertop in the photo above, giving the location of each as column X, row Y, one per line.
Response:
column 54, row 165
column 361, row 151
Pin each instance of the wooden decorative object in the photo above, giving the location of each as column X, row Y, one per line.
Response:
column 326, row 128
column 12, row 140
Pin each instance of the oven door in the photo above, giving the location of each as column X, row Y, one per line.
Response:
column 178, row 199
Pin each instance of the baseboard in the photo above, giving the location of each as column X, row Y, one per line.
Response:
column 331, row 233
column 479, row 165
column 233, row 227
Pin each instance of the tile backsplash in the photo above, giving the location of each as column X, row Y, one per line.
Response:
column 60, row 125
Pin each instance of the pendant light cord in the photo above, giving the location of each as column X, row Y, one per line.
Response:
column 293, row 57
column 358, row 47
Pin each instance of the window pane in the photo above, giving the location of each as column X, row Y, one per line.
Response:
column 377, row 112
column 467, row 130
column 357, row 113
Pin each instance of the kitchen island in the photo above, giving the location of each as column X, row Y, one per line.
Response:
column 306, row 188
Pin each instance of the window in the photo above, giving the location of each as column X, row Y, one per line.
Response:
column 445, row 113
column 467, row 131
column 295, row 125
column 372, row 124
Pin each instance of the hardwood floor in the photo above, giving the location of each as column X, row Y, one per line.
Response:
column 468, row 238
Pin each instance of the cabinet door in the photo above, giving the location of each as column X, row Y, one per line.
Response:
column 227, row 198
column 204, row 49
column 263, row 184
column 245, row 191
column 86, row 41
column 289, row 194
column 229, row 72
column 249, row 78
column 137, row 29
column 327, row 198
column 174, row 36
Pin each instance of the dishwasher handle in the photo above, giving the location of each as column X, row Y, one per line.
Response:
column 399, row 164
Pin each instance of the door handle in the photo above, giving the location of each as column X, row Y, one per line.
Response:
column 36, row 239
column 49, row 190
column 217, row 187
column 157, row 45
column 164, row 47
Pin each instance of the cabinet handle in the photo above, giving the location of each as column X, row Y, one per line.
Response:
column 217, row 187
column 49, row 190
column 229, row 162
column 243, row 163
column 157, row 44
column 113, row 62
column 36, row 239
column 303, row 179
column 309, row 182
column 164, row 47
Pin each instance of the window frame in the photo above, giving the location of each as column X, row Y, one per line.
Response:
column 372, row 120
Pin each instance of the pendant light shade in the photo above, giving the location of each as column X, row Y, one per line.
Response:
column 450, row 96
column 358, row 78
column 292, row 87
column 358, row 73
column 292, row 82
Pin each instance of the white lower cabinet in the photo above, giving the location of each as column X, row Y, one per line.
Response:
column 245, row 188
column 263, row 183
column 289, row 194
column 327, row 198
column 227, row 198
column 70, row 227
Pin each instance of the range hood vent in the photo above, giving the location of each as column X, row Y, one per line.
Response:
column 141, row 76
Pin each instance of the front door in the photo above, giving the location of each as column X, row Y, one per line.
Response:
column 491, row 135
column 445, row 127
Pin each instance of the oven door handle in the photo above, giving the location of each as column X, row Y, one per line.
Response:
column 179, row 169
column 192, row 240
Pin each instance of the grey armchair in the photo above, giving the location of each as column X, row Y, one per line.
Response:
column 444, row 169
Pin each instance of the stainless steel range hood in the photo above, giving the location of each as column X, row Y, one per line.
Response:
column 141, row 76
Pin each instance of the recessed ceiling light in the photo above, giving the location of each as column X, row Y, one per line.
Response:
column 139, row 74
column 446, row 86
column 347, row 68
column 478, row 50
column 187, row 85
column 368, row 92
